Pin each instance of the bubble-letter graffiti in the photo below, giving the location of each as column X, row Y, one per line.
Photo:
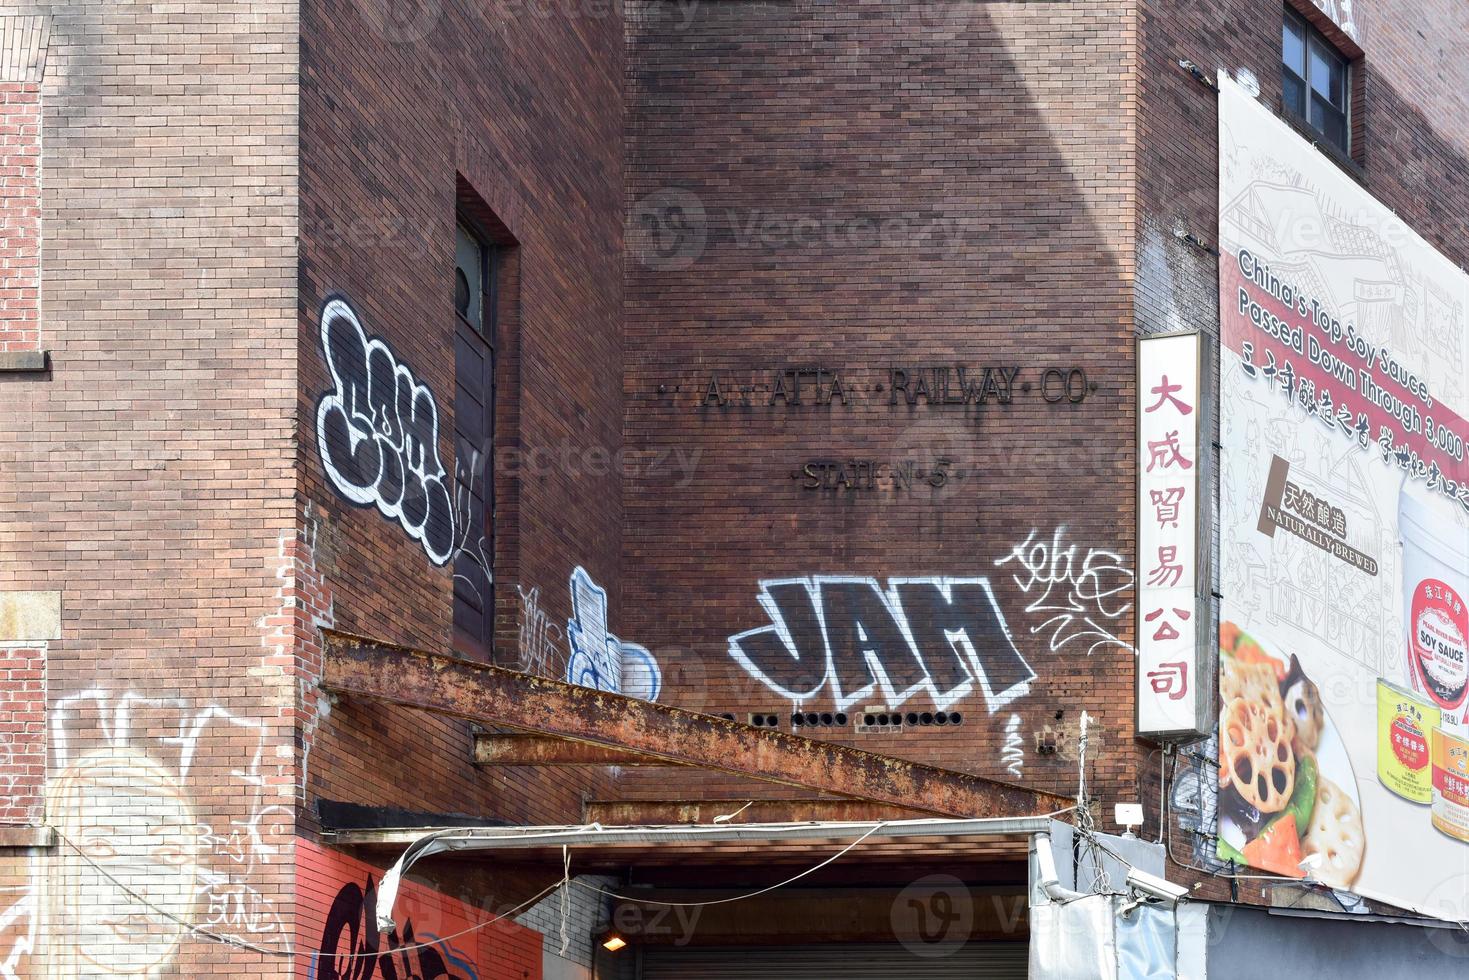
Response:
column 940, row 637
column 377, row 430
column 599, row 659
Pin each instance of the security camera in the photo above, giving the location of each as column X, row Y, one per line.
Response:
column 1154, row 887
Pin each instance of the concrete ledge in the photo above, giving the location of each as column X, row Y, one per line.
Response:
column 23, row 361
column 29, row 617
column 26, row 836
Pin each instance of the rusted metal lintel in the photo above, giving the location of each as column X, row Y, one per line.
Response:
column 360, row 667
column 548, row 750
column 614, row 813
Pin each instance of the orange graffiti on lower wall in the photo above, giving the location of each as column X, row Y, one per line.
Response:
column 338, row 939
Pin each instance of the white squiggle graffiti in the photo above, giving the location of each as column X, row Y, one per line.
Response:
column 1076, row 593
column 941, row 637
column 477, row 574
column 1012, row 755
column 1341, row 12
column 124, row 794
column 540, row 639
column 377, row 431
column 599, row 659
column 304, row 600
column 18, row 926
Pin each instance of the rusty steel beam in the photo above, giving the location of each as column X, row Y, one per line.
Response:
column 615, row 813
column 360, row 667
column 547, row 750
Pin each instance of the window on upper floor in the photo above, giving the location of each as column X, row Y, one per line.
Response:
column 474, row 421
column 1315, row 81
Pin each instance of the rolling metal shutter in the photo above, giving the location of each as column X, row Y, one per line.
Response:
column 974, row 961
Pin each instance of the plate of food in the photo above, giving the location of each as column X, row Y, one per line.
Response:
column 1288, row 801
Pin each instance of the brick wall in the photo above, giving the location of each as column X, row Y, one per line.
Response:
column 514, row 112
column 20, row 216
column 859, row 186
column 148, row 478
column 22, row 734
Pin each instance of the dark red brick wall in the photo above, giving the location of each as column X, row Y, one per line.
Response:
column 859, row 186
column 519, row 107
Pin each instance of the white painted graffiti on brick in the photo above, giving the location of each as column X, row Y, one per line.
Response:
column 1076, row 592
column 377, row 431
column 539, row 638
column 1012, row 754
column 132, row 803
column 941, row 637
column 599, row 659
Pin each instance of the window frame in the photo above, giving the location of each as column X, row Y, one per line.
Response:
column 1312, row 39
column 487, row 331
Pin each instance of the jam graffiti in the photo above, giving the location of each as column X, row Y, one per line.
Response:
column 377, row 431
column 940, row 637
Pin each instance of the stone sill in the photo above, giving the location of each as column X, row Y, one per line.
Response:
column 22, row 835
column 23, row 361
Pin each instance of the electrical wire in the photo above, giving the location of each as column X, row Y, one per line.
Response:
column 564, row 883
column 755, row 894
column 229, row 940
column 732, row 898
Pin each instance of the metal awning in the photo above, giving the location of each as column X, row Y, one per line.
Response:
column 421, row 844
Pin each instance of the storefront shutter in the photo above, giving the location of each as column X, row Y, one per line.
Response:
column 974, row 961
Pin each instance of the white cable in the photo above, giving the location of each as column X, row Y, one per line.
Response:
column 727, row 817
column 233, row 941
column 565, row 896
column 566, row 880
column 735, row 898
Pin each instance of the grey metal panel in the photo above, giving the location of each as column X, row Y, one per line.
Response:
column 973, row 961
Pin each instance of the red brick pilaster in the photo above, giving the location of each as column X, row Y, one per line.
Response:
column 22, row 734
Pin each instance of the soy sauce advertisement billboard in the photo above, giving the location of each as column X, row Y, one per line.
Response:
column 1344, row 529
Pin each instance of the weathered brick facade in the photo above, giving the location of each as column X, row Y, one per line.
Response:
column 402, row 124
column 147, row 477
column 20, row 216
column 708, row 217
column 880, row 186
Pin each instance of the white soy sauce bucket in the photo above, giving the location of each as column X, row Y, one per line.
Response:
column 1435, row 566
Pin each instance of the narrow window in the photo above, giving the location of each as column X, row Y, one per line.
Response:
column 1315, row 81
column 474, row 416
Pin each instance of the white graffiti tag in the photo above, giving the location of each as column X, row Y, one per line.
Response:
column 132, row 799
column 378, row 434
column 1012, row 754
column 942, row 637
column 599, row 659
column 1076, row 593
column 540, row 639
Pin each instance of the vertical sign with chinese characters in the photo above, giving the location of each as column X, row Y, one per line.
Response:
column 1168, row 611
